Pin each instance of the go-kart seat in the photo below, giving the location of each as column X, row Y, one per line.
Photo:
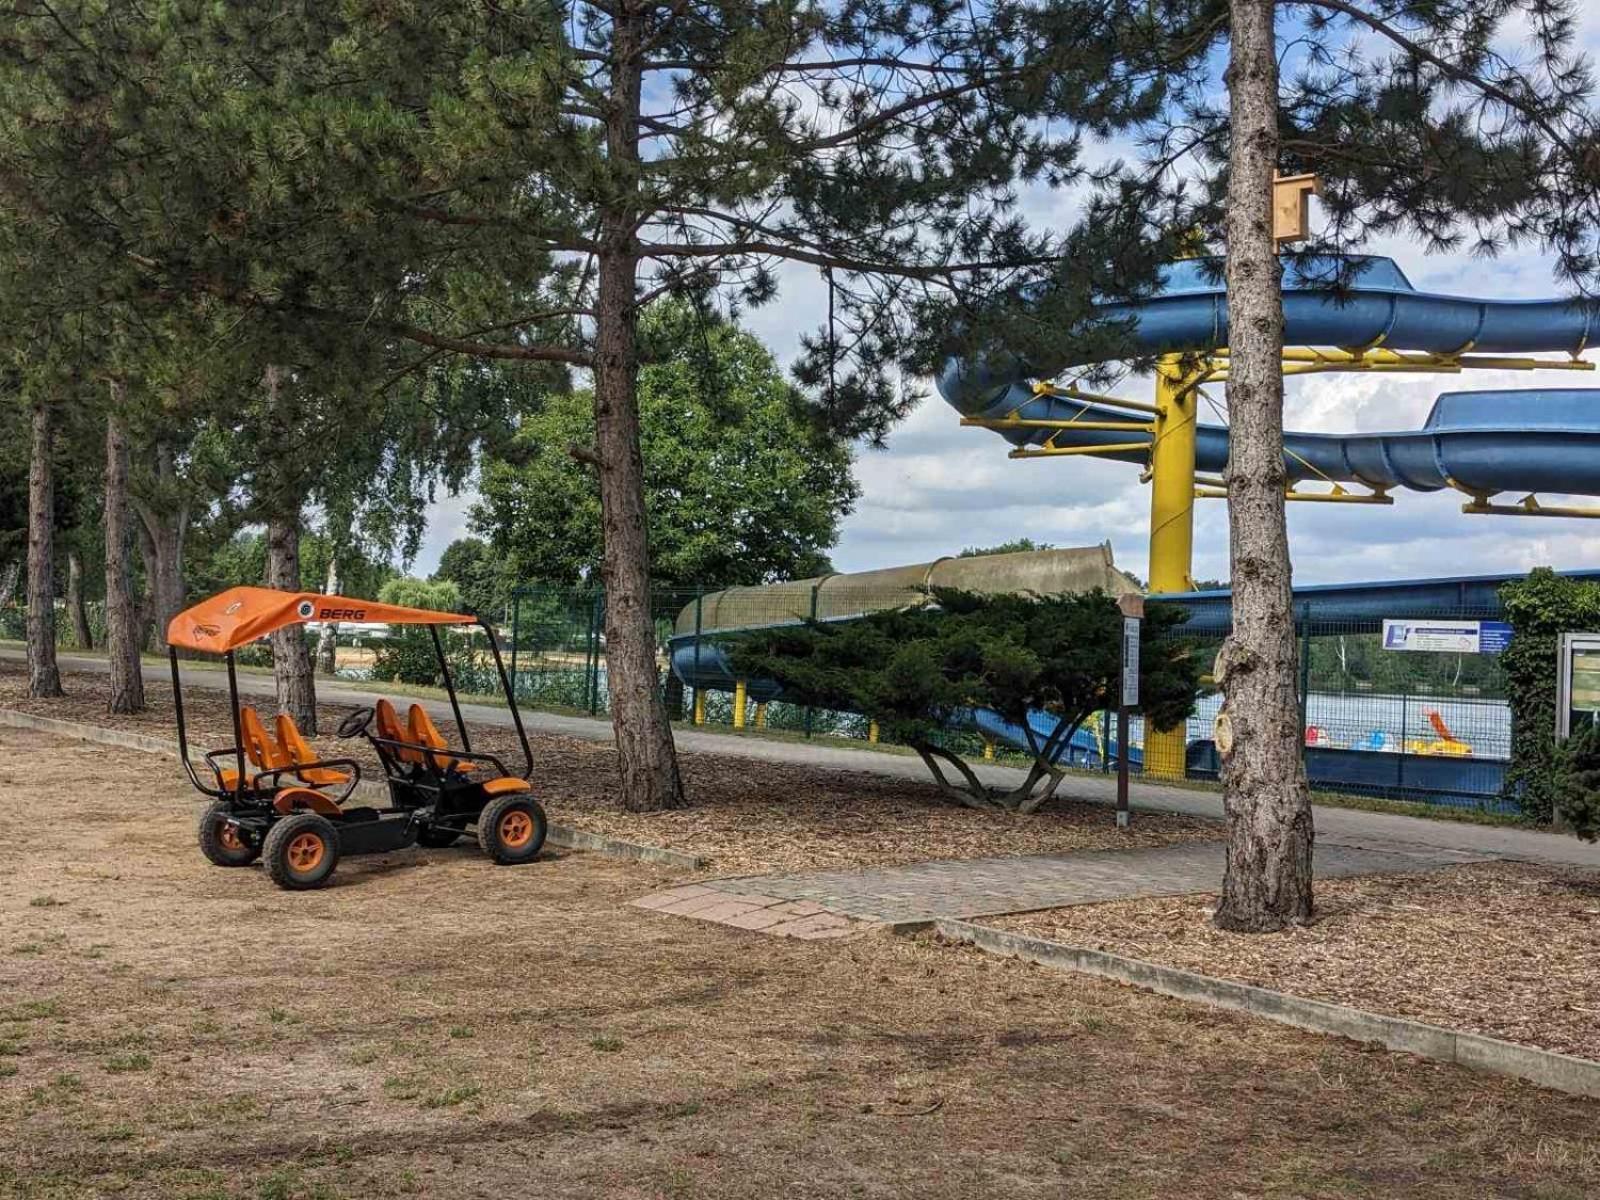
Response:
column 425, row 733
column 299, row 751
column 389, row 730
column 260, row 749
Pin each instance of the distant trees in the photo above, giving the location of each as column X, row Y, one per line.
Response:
column 740, row 485
column 1042, row 663
column 483, row 577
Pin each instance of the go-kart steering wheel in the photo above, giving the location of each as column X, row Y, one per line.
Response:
column 355, row 724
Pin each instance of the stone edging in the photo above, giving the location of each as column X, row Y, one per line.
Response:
column 1563, row 1072
column 559, row 835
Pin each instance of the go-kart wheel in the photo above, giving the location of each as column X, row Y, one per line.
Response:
column 511, row 829
column 355, row 723
column 301, row 851
column 222, row 842
column 435, row 838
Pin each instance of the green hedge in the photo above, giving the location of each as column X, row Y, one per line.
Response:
column 1540, row 609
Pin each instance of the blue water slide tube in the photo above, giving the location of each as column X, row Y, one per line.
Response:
column 1481, row 442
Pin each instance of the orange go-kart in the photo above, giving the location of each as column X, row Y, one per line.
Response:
column 273, row 799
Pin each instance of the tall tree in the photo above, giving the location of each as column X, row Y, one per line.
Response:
column 44, row 679
column 1420, row 124
column 1267, row 877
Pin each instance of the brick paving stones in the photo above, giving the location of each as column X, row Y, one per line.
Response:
column 828, row 904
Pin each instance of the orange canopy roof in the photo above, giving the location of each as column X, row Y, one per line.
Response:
column 243, row 614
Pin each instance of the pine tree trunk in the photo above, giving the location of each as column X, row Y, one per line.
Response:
column 291, row 658
column 649, row 761
column 328, row 638
column 1267, row 881
column 82, row 636
column 44, row 678
column 126, row 683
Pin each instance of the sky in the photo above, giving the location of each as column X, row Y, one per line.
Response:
column 938, row 488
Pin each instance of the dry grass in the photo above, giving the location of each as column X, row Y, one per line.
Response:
column 745, row 816
column 1506, row 949
column 435, row 1026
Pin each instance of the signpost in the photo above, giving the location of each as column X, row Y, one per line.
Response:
column 1132, row 606
column 1447, row 637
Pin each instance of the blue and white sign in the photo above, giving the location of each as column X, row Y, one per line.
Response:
column 1447, row 637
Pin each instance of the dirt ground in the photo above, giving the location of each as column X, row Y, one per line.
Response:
column 437, row 1026
column 1506, row 949
column 745, row 817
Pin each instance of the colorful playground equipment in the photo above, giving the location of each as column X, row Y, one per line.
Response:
column 274, row 799
column 1485, row 444
column 1480, row 443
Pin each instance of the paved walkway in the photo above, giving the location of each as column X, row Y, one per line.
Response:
column 986, row 887
column 1333, row 824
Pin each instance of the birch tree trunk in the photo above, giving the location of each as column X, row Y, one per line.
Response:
column 291, row 659
column 126, row 685
column 649, row 761
column 82, row 636
column 1267, row 881
column 44, row 678
column 328, row 638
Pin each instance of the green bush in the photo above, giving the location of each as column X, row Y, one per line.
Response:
column 1540, row 609
column 1576, row 783
column 919, row 671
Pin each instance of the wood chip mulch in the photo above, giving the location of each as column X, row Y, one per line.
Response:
column 1511, row 950
column 745, row 816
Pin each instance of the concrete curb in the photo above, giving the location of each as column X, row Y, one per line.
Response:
column 1562, row 1072
column 559, row 835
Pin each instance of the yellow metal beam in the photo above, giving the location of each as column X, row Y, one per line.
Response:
column 1171, row 526
column 1075, row 393
column 1337, row 496
column 1529, row 506
column 1064, row 451
column 1065, row 423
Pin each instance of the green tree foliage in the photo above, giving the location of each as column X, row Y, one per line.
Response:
column 484, row 578
column 407, row 654
column 1540, row 609
column 740, row 486
column 241, row 560
column 916, row 671
column 1575, row 789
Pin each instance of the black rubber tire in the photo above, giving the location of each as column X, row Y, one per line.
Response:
column 492, row 835
column 215, row 842
column 287, row 841
column 433, row 838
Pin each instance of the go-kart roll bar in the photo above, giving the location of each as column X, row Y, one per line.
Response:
column 511, row 700
column 183, row 732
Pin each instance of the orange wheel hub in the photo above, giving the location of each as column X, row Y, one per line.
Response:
column 305, row 852
column 516, row 829
column 229, row 837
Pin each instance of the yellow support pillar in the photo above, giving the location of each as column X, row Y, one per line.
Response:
column 988, row 749
column 872, row 732
column 761, row 714
column 1171, row 526
column 740, row 698
column 699, row 707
